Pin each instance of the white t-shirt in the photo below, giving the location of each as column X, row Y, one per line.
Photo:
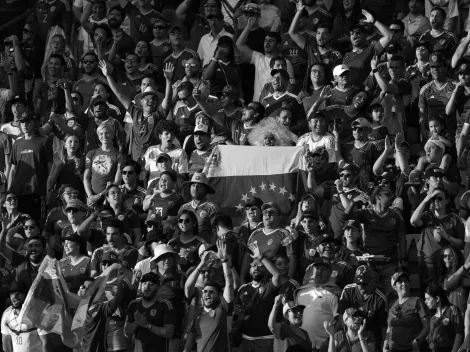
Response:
column 22, row 339
column 263, row 72
column 179, row 161
column 320, row 305
column 327, row 142
column 12, row 131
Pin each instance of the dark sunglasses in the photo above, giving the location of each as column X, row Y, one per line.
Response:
column 72, row 210
column 208, row 291
column 383, row 182
column 249, row 207
column 190, row 65
column 127, row 172
column 439, row 198
column 10, row 199
column 89, row 61
column 186, row 221
column 29, row 227
column 26, row 30
column 159, row 27
column 360, row 129
column 395, row 30
column 344, row 175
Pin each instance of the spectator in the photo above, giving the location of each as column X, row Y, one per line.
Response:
column 318, row 137
column 75, row 265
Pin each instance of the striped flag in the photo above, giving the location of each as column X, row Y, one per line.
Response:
column 49, row 306
column 269, row 173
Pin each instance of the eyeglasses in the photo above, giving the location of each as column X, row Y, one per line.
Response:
column 269, row 213
column 159, row 27
column 72, row 210
column 29, row 227
column 212, row 6
column 71, row 194
column 11, row 199
column 127, row 172
column 105, row 263
column 152, row 225
column 439, row 198
column 254, row 265
column 344, row 175
column 186, row 221
column 250, row 208
column 356, row 32
column 359, row 129
column 89, row 61
column 382, row 182
column 190, row 65
column 208, row 291
column 317, row 71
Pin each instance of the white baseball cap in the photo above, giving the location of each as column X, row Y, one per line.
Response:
column 340, row 69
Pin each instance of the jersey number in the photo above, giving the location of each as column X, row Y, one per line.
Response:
column 19, row 340
column 159, row 211
column 45, row 18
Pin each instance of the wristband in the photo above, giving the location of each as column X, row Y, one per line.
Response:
column 10, row 73
column 261, row 258
column 373, row 22
column 149, row 326
column 375, row 70
column 214, row 59
column 342, row 192
column 225, row 261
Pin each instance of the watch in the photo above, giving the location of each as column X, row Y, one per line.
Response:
column 375, row 70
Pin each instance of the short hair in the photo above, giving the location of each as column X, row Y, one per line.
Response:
column 193, row 217
column 106, row 87
column 135, row 165
column 325, row 25
column 105, row 28
column 214, row 284
column 187, row 86
column 259, row 109
column 376, row 191
column 57, row 56
column 92, row 53
column 39, row 238
column 441, row 10
column 277, row 58
column 114, row 223
column 284, row 108
column 224, row 221
column 150, row 76
column 399, row 59
column 274, row 35
column 168, row 126
column 398, row 23
column 64, row 186
column 350, row 96
column 118, row 8
column 171, row 174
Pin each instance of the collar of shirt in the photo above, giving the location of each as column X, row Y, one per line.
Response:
column 221, row 33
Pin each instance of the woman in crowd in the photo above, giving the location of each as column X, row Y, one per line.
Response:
column 18, row 235
column 447, row 325
column 75, row 266
column 352, row 245
column 143, row 52
column 10, row 210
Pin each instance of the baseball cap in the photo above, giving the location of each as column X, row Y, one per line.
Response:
column 155, row 236
column 321, row 151
column 175, row 28
column 364, row 275
column 254, row 202
column 252, row 7
column 321, row 261
column 201, row 129
column 225, row 40
column 230, row 91
column 309, row 214
column 323, row 238
column 281, row 71
column 16, row 286
column 317, row 115
column 357, row 26
column 424, row 43
column 351, row 168
column 394, row 48
column 27, row 116
column 464, row 68
column 206, row 247
column 362, row 122
column 352, row 224
column 270, row 205
column 436, row 142
column 437, row 59
column 351, row 312
column 434, row 170
column 75, row 204
column 340, row 69
column 18, row 99
column 164, row 156
column 398, row 275
column 161, row 21
column 389, row 176
column 154, row 217
column 109, row 256
column 151, row 276
column 291, row 305
column 98, row 100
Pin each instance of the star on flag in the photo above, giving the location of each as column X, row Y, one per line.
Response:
column 245, row 197
column 239, row 207
column 272, row 187
column 263, row 186
column 253, row 190
column 282, row 190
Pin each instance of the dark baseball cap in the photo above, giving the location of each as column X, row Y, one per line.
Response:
column 254, row 202
column 281, row 71
column 27, row 116
column 359, row 27
column 424, row 43
column 437, row 59
column 151, row 276
column 309, row 214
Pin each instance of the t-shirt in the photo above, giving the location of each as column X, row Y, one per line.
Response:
column 86, row 87
column 160, row 52
column 365, row 155
column 331, row 58
column 359, row 62
column 446, row 327
column 336, row 112
column 56, row 221
column 103, row 168
column 23, row 338
column 159, row 314
column 188, row 251
column 274, row 242
column 179, row 161
column 210, row 327
column 344, row 344
column 256, row 302
column 31, row 156
column 127, row 257
column 198, row 160
column 272, row 103
column 141, row 23
column 451, row 223
column 327, row 141
column 447, row 40
column 291, row 50
column 288, row 335
column 404, row 322
column 144, row 129
column 179, row 61
column 75, row 274
column 50, row 14
column 167, row 206
column 374, row 307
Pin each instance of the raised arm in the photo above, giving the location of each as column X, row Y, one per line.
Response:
column 380, row 162
column 384, row 30
column 168, row 73
column 229, row 291
column 276, row 275
column 192, row 278
column 416, row 216
column 386, row 87
column 298, row 38
column 106, row 68
column 182, row 9
column 461, row 49
column 241, row 42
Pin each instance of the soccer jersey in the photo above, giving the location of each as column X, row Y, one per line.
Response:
column 86, row 87
column 179, row 61
column 74, row 275
column 188, row 251
column 198, row 160
column 447, row 40
column 52, row 13
column 127, row 257
column 23, row 338
column 274, row 242
column 359, row 62
column 141, row 23
column 179, row 161
column 167, row 206
column 331, row 58
column 318, row 15
column 443, row 329
column 336, row 113
column 160, row 52
column 272, row 103
column 185, row 117
column 294, row 53
column 327, row 141
column 365, row 155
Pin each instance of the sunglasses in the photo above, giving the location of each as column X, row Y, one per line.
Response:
column 269, row 213
column 208, row 291
column 356, row 32
column 186, row 221
column 71, row 194
column 360, row 129
column 344, row 175
column 89, row 61
column 395, row 30
column 383, row 182
column 159, row 27
column 11, row 199
column 248, row 208
column 317, row 71
column 29, row 227
column 439, row 198
column 26, row 30
column 83, row 287
column 254, row 265
column 127, row 172
column 72, row 210
column 190, row 65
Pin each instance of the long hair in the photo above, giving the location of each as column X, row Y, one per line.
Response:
column 356, row 12
column 435, row 290
column 269, row 125
column 438, row 258
column 148, row 59
column 62, row 154
column 193, row 217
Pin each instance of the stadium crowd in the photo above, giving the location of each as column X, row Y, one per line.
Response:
column 111, row 109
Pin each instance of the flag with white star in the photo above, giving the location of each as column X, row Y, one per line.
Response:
column 238, row 173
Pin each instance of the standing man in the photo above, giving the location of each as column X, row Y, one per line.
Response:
column 438, row 35
column 91, row 76
column 209, row 41
column 31, row 162
column 272, row 44
column 145, row 112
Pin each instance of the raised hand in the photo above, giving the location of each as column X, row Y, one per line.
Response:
column 222, row 249
column 255, row 250
column 362, row 330
column 168, row 71
column 368, row 16
column 105, row 67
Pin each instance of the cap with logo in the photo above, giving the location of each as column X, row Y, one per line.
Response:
column 464, row 68
column 164, row 156
column 17, row 286
column 340, row 69
column 398, row 275
column 433, row 171
column 319, row 151
column 176, row 27
column 351, row 168
column 270, row 206
column 154, row 217
column 150, row 277
column 424, row 43
column 362, row 122
column 201, row 128
column 290, row 306
column 394, row 48
column 357, row 27
column 281, row 71
column 76, row 204
column 98, row 100
column 324, row 238
column 254, row 202
column 364, row 275
column 309, row 214
column 225, row 40
column 437, row 59
column 109, row 256
column 352, row 312
column 18, row 99
column 352, row 224
column 229, row 91
column 27, row 116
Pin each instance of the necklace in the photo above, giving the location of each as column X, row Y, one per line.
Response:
column 351, row 343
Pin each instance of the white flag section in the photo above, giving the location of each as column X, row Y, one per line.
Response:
column 238, row 173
